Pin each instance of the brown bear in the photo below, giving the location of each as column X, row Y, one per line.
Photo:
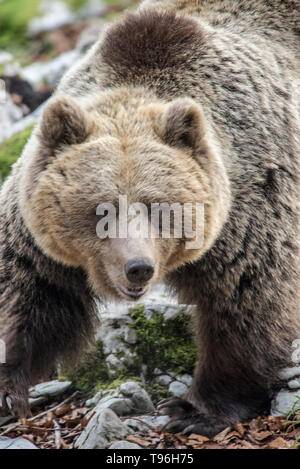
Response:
column 183, row 102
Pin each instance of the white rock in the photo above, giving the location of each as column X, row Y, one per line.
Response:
column 294, row 384
column 50, row 72
column 283, row 403
column 102, row 428
column 10, row 114
column 99, row 396
column 50, row 388
column 5, row 57
column 178, row 389
column 55, row 14
column 11, row 69
column 36, row 401
column 119, row 405
column 123, row 444
column 130, row 335
column 144, row 422
column 141, row 400
column 15, row 443
column 289, row 373
column 92, row 8
column 186, row 379
column 164, row 380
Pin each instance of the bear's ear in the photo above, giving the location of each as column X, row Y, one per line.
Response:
column 64, row 121
column 181, row 124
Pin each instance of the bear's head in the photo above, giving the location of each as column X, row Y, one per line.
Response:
column 126, row 186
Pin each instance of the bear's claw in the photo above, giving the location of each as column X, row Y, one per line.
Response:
column 185, row 418
column 12, row 404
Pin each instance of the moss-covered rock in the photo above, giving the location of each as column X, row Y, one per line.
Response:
column 11, row 149
column 92, row 372
column 164, row 344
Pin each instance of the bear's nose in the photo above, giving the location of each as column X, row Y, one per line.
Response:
column 139, row 270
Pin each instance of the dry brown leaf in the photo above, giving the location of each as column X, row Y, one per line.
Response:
column 240, row 428
column 62, row 410
column 221, row 436
column 278, row 443
column 198, row 438
column 261, row 436
column 138, row 441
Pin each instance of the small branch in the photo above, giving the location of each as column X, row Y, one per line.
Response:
column 57, row 434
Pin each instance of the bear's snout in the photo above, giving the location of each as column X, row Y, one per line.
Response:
column 139, row 271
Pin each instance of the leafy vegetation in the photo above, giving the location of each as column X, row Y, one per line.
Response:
column 11, row 149
column 167, row 345
column 14, row 19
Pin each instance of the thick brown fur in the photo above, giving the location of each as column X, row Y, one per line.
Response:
column 184, row 101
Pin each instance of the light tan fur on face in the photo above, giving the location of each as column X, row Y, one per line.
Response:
column 152, row 152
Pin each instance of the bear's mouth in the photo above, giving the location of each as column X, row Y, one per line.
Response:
column 133, row 292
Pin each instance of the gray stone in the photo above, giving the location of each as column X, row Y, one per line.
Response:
column 103, row 427
column 289, row 373
column 294, row 384
column 15, row 443
column 141, row 400
column 156, row 422
column 54, row 15
column 186, row 379
column 120, row 405
column 164, row 380
column 178, row 389
column 123, row 444
column 93, row 8
column 5, row 57
column 284, row 402
column 114, row 364
column 20, row 125
column 130, row 335
column 36, row 401
column 50, row 72
column 137, row 424
column 146, row 422
column 49, row 389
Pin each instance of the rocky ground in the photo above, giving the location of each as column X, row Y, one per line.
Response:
column 143, row 353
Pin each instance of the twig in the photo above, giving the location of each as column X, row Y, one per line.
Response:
column 57, row 434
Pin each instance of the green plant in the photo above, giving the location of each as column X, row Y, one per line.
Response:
column 11, row 149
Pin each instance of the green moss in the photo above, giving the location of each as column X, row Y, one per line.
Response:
column 108, row 386
column 157, row 392
column 11, row 149
column 167, row 345
column 92, row 374
column 14, row 18
column 92, row 370
column 76, row 4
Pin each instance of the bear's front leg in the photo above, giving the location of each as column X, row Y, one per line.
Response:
column 202, row 416
column 186, row 418
column 14, row 390
column 14, row 369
